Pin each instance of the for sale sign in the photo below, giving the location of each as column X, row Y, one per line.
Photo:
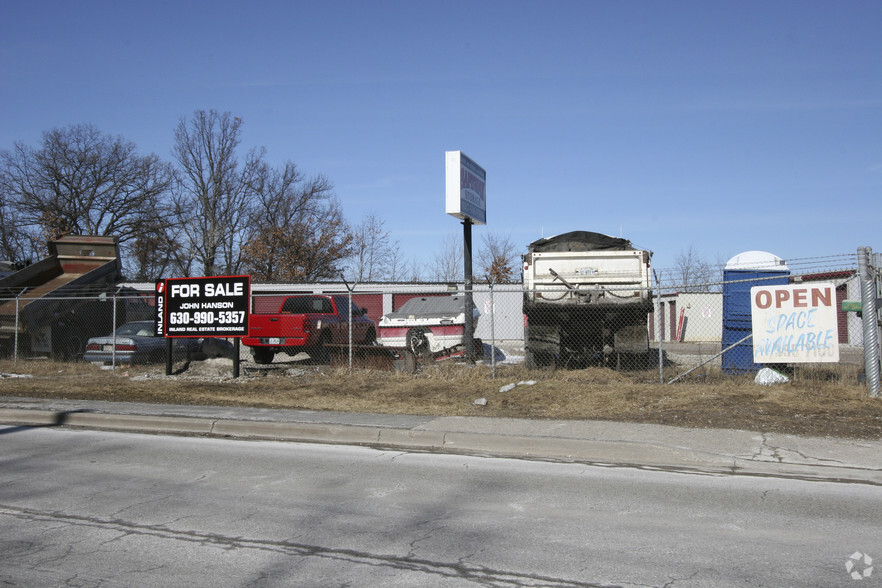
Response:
column 794, row 323
column 207, row 307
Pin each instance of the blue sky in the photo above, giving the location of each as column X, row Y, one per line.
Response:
column 724, row 126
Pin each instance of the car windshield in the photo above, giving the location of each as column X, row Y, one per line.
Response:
column 135, row 329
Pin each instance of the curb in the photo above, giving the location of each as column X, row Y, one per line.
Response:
column 516, row 446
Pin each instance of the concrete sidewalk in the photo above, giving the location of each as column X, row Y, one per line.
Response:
column 710, row 451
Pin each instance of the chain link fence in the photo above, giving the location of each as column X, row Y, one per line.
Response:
column 664, row 333
column 58, row 327
column 706, row 328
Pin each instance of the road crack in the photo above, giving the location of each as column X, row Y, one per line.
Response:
column 477, row 574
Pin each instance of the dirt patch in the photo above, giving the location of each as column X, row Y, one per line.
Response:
column 817, row 402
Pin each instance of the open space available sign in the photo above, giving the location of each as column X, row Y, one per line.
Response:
column 794, row 323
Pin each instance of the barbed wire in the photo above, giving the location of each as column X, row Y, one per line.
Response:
column 844, row 260
column 710, row 278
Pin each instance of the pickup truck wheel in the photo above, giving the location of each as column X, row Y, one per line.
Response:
column 262, row 356
column 322, row 354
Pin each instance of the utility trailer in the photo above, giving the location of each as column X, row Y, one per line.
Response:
column 424, row 330
column 586, row 301
column 53, row 306
column 430, row 326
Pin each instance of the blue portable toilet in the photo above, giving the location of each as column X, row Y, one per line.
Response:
column 742, row 272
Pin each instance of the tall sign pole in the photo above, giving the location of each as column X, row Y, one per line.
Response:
column 466, row 199
column 469, row 327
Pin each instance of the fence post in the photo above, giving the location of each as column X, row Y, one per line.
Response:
column 15, row 335
column 113, row 338
column 492, row 331
column 658, row 330
column 870, row 319
column 349, row 289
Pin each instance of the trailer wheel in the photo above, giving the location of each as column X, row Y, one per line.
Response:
column 417, row 342
column 262, row 355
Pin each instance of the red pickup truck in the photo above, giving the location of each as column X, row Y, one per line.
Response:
column 307, row 323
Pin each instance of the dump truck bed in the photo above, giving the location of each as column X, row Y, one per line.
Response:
column 586, row 268
column 73, row 263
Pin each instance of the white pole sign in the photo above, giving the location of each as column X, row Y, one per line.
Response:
column 466, row 188
column 794, row 323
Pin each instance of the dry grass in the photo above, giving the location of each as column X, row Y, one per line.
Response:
column 819, row 402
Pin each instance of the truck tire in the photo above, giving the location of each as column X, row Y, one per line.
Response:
column 321, row 353
column 538, row 360
column 537, row 356
column 530, row 358
column 542, row 346
column 262, row 355
column 632, row 338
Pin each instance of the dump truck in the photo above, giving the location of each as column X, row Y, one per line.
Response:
column 587, row 297
column 53, row 306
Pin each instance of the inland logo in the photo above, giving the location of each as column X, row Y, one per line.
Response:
column 159, row 301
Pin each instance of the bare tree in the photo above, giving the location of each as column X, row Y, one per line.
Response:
column 155, row 255
column 17, row 244
column 296, row 229
column 214, row 188
column 81, row 181
column 447, row 263
column 374, row 251
column 403, row 268
column 693, row 273
column 498, row 260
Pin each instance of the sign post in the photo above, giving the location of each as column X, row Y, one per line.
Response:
column 469, row 325
column 204, row 307
column 466, row 199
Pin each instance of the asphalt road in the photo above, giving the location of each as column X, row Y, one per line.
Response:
column 90, row 508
